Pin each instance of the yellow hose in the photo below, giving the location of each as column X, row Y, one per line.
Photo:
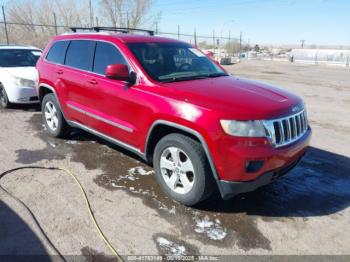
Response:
column 87, row 202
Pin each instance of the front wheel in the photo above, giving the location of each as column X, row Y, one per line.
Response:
column 182, row 169
column 53, row 117
column 4, row 101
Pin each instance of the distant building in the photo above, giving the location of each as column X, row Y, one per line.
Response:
column 321, row 56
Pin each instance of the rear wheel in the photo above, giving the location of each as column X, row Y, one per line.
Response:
column 4, row 101
column 182, row 169
column 53, row 117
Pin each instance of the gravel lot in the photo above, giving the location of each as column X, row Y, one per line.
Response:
column 305, row 212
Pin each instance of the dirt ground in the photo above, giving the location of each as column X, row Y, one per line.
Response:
column 306, row 212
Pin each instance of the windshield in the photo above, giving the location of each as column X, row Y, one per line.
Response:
column 18, row 57
column 170, row 62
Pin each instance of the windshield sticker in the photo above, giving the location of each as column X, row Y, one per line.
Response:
column 196, row 52
column 36, row 53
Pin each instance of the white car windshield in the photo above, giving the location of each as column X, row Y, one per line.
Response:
column 18, row 57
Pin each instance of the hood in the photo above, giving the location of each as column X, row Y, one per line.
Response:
column 238, row 98
column 27, row 72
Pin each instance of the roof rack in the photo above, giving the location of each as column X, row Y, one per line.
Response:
column 114, row 29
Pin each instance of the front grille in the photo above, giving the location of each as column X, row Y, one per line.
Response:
column 286, row 130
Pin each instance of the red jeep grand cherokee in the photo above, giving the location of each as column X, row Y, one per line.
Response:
column 170, row 104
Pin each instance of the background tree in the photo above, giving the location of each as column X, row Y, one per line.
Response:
column 68, row 13
column 33, row 13
column 257, row 48
column 128, row 13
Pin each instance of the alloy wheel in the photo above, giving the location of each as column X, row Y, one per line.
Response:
column 177, row 170
column 51, row 115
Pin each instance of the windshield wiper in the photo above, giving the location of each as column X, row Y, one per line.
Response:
column 177, row 79
column 217, row 74
column 186, row 78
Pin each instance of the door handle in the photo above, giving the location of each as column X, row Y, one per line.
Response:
column 92, row 81
column 59, row 71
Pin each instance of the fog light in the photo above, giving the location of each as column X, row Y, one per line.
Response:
column 253, row 166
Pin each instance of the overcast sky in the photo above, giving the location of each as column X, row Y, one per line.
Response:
column 325, row 22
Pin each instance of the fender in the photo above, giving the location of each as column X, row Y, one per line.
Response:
column 55, row 94
column 200, row 138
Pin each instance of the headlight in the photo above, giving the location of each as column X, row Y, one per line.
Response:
column 254, row 128
column 24, row 82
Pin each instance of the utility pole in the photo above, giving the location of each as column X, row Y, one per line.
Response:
column 5, row 23
column 156, row 28
column 127, row 20
column 229, row 42
column 195, row 38
column 302, row 43
column 91, row 14
column 178, row 32
column 214, row 39
column 96, row 21
column 55, row 23
column 240, row 45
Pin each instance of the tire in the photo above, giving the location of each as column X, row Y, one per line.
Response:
column 4, row 101
column 57, row 126
column 174, row 173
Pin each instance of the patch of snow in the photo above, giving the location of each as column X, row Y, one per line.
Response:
column 117, row 186
column 72, row 142
column 170, row 247
column 165, row 208
column 212, row 229
column 53, row 145
column 140, row 170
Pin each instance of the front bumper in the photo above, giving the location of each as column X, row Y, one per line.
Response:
column 230, row 189
column 235, row 179
column 22, row 95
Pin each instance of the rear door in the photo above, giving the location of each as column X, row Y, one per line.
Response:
column 80, row 95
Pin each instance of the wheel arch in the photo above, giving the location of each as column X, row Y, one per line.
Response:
column 45, row 89
column 161, row 128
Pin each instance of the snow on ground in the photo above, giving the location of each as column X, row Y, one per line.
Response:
column 170, row 247
column 212, row 229
column 140, row 170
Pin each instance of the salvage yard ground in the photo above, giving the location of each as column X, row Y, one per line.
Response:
column 305, row 212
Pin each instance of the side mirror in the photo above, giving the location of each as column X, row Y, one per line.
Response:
column 120, row 72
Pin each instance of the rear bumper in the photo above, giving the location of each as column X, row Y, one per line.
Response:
column 230, row 189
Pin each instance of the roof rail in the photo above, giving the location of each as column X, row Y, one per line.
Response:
column 114, row 29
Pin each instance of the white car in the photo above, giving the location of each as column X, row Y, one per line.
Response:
column 18, row 75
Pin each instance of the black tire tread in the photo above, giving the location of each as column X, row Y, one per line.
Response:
column 64, row 129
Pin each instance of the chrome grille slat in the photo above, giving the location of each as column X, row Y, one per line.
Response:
column 295, row 126
column 282, row 131
column 299, row 125
column 303, row 122
column 289, row 130
column 286, row 130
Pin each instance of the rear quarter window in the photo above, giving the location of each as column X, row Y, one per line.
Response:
column 79, row 54
column 57, row 52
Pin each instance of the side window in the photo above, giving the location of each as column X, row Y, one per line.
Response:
column 79, row 54
column 57, row 52
column 106, row 54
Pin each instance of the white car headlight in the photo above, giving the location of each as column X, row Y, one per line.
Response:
column 253, row 128
column 24, row 82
